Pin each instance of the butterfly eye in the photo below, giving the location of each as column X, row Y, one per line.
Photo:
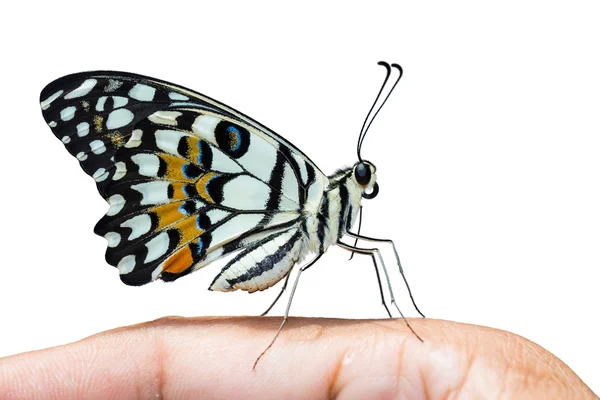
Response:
column 362, row 174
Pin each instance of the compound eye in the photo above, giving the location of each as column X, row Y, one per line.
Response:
column 362, row 174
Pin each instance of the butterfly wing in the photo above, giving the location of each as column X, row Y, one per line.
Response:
column 188, row 179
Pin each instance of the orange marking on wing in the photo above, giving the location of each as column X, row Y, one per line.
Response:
column 168, row 214
column 202, row 183
column 179, row 262
column 193, row 149
column 175, row 167
column 178, row 193
column 193, row 153
column 188, row 230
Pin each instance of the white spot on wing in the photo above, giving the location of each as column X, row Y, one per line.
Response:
column 281, row 218
column 119, row 101
column 116, row 203
column 302, row 166
column 67, row 114
column 286, row 204
column 157, row 271
column 83, row 129
column 289, row 184
column 215, row 215
column 100, row 175
column 82, row 90
column 81, row 156
column 165, row 117
column 148, row 163
column 135, row 140
column 97, row 147
column 260, row 158
column 126, row 264
column 100, row 103
column 168, row 140
column 245, row 193
column 120, row 171
column 139, row 225
column 46, row 103
column 157, row 247
column 52, row 124
column 119, row 118
column 233, row 228
column 142, row 92
column 223, row 163
column 204, row 126
column 113, row 239
column 153, row 192
column 66, row 139
column 177, row 96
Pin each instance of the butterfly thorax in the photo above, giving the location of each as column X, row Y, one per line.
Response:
column 337, row 211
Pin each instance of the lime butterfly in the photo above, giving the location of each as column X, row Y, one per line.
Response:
column 189, row 180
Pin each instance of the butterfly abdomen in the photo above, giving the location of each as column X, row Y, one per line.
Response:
column 262, row 265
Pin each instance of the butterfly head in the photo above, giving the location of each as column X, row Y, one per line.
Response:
column 366, row 179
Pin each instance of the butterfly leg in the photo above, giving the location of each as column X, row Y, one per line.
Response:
column 287, row 278
column 287, row 310
column 354, row 249
column 378, row 280
column 358, row 232
column 370, row 239
column 375, row 253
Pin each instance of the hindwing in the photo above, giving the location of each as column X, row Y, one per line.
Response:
column 188, row 179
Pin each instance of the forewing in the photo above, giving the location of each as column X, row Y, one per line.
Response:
column 187, row 179
column 94, row 113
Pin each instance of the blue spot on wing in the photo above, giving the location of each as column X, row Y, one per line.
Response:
column 197, row 247
column 182, row 209
column 199, row 159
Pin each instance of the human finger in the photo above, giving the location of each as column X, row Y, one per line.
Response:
column 313, row 358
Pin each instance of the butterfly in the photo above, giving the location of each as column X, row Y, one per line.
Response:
column 190, row 180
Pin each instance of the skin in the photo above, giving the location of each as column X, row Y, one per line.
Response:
column 182, row 358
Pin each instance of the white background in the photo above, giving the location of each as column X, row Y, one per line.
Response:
column 488, row 156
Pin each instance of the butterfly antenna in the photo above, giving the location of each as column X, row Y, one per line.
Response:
column 389, row 69
column 387, row 76
column 358, row 234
